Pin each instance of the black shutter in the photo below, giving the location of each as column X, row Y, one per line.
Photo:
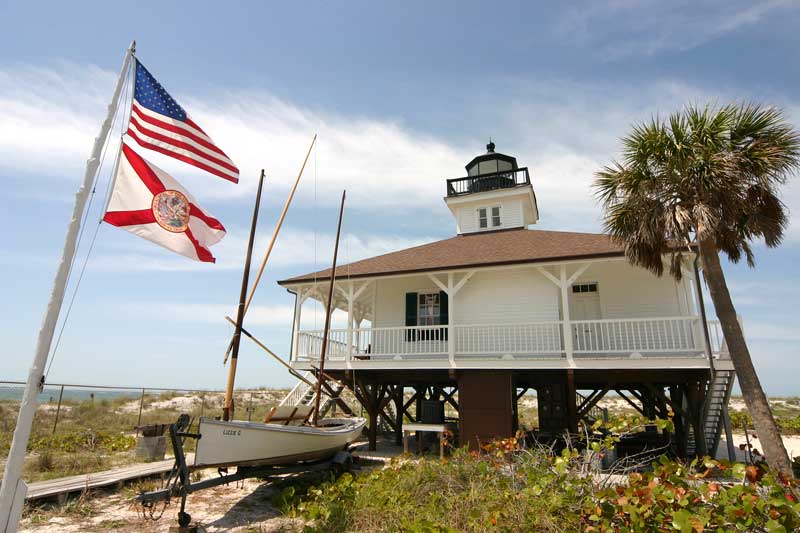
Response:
column 411, row 314
column 444, row 314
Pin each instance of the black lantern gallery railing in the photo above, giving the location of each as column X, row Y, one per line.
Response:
column 507, row 179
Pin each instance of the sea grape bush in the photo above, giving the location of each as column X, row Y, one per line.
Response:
column 510, row 487
column 676, row 497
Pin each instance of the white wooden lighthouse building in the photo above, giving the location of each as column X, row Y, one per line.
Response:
column 501, row 307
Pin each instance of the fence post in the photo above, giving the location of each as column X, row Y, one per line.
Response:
column 141, row 407
column 202, row 403
column 58, row 409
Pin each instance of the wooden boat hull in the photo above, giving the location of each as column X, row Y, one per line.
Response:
column 257, row 444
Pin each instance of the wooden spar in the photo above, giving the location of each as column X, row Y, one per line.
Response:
column 227, row 411
column 326, row 330
column 274, row 238
column 261, row 345
column 291, row 370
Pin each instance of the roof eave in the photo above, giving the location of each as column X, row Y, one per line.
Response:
column 295, row 281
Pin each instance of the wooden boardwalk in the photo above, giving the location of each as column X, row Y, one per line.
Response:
column 117, row 476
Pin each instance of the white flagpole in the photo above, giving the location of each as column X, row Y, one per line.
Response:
column 14, row 489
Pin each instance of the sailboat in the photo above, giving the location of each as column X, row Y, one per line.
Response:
column 290, row 433
column 244, row 443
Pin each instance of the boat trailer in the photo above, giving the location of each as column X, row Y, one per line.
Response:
column 179, row 483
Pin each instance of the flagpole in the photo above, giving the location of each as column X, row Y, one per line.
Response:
column 13, row 489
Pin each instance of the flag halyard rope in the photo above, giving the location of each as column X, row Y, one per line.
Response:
column 65, row 320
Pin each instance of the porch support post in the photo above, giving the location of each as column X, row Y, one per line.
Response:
column 398, row 408
column 351, row 295
column 298, row 308
column 451, row 337
column 572, row 399
column 451, row 289
column 350, row 298
column 567, row 325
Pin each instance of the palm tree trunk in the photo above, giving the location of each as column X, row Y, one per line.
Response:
column 754, row 397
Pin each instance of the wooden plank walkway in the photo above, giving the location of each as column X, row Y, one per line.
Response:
column 66, row 485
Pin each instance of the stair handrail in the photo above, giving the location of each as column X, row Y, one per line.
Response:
column 296, row 392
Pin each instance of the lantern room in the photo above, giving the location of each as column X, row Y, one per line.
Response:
column 496, row 194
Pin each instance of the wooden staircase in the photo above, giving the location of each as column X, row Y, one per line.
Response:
column 718, row 395
column 305, row 394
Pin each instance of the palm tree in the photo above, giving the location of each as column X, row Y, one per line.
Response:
column 706, row 179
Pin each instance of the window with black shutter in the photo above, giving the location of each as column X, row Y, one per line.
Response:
column 426, row 309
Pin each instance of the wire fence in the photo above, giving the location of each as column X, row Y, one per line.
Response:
column 65, row 407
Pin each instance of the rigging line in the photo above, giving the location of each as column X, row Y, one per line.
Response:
column 129, row 87
column 80, row 234
column 94, row 188
column 315, row 216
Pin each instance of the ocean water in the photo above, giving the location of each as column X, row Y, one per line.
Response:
column 50, row 394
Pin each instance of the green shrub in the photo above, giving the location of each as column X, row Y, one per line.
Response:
column 83, row 440
column 469, row 492
column 508, row 489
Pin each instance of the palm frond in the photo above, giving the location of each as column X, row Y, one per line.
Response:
column 702, row 172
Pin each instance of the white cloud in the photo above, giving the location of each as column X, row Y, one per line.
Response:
column 294, row 248
column 562, row 129
column 49, row 116
column 257, row 315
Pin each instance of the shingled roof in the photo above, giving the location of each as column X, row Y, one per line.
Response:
column 478, row 250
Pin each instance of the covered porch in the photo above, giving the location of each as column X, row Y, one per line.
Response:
column 555, row 319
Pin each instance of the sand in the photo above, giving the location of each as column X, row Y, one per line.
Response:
column 243, row 506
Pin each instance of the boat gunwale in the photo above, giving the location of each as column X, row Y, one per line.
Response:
column 348, row 425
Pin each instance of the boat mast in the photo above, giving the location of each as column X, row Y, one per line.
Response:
column 273, row 239
column 227, row 411
column 14, row 489
column 327, row 328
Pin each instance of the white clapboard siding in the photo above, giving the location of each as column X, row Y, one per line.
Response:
column 631, row 292
column 510, row 214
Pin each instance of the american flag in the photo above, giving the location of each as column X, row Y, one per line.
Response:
column 159, row 123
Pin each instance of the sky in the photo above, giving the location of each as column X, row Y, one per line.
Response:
column 402, row 96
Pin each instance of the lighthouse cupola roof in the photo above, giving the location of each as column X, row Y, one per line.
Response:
column 491, row 162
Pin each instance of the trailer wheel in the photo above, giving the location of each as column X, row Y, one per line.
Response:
column 184, row 519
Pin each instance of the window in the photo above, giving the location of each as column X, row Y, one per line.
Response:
column 428, row 305
column 584, row 287
column 482, row 219
column 487, row 215
column 495, row 217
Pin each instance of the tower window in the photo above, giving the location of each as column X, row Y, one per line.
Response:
column 495, row 217
column 489, row 216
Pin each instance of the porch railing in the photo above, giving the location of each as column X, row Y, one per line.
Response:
column 645, row 336
column 610, row 338
column 531, row 339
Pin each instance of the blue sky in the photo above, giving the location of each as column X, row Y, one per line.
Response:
column 402, row 97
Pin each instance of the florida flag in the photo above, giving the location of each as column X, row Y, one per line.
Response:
column 148, row 202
